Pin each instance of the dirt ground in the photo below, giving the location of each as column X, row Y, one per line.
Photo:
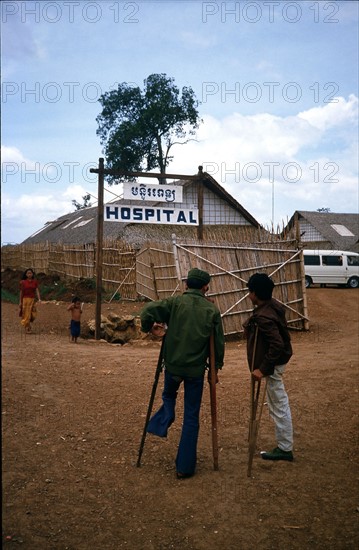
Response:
column 72, row 422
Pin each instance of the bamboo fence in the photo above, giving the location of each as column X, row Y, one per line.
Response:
column 76, row 262
column 158, row 270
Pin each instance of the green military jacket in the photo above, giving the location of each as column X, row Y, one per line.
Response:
column 190, row 319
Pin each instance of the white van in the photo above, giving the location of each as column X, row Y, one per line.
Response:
column 336, row 267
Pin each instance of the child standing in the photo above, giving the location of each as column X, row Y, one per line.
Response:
column 75, row 325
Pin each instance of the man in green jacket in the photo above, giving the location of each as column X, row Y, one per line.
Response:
column 190, row 319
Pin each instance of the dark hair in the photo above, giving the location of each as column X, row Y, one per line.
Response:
column 75, row 299
column 195, row 283
column 24, row 274
column 261, row 285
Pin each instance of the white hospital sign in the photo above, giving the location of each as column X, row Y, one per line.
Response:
column 152, row 192
column 149, row 214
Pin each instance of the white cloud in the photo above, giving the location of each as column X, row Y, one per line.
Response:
column 23, row 215
column 252, row 156
column 333, row 114
column 256, row 158
column 15, row 156
column 34, row 208
column 74, row 192
column 264, row 136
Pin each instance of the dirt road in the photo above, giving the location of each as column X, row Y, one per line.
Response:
column 72, row 422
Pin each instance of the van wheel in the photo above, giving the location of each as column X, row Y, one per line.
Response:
column 308, row 281
column 353, row 282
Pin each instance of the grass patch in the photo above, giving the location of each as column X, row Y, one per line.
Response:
column 9, row 296
column 60, row 291
column 89, row 284
column 114, row 298
column 53, row 292
column 48, row 292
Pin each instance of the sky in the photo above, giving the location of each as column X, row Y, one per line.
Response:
column 277, row 83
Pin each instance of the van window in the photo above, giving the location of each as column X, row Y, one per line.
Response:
column 353, row 260
column 332, row 260
column 311, row 260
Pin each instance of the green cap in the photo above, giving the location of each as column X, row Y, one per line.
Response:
column 200, row 275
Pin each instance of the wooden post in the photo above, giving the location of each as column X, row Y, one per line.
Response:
column 99, row 248
column 153, row 273
column 175, row 253
column 200, row 203
column 301, row 270
column 101, row 171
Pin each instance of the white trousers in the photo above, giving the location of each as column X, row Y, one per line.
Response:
column 279, row 409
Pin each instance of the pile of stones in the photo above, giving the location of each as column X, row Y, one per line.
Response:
column 115, row 329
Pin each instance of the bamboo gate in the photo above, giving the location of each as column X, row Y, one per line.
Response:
column 161, row 270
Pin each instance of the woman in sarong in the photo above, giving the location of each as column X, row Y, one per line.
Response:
column 29, row 288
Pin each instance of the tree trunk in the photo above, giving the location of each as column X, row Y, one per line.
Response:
column 161, row 161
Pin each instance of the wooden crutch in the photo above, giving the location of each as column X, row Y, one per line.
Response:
column 255, row 427
column 254, row 421
column 213, row 399
column 253, row 387
column 150, row 405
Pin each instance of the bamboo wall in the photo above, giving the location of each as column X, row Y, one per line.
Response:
column 75, row 262
column 159, row 269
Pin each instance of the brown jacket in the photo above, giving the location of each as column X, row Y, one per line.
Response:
column 273, row 341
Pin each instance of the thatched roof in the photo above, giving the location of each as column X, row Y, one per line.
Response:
column 81, row 226
column 337, row 230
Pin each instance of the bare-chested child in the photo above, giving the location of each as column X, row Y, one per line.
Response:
column 75, row 325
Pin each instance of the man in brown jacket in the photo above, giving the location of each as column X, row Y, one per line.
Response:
column 272, row 353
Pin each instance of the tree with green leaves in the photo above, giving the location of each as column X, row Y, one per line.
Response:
column 138, row 128
column 85, row 204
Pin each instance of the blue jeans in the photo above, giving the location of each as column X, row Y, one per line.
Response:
column 165, row 416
